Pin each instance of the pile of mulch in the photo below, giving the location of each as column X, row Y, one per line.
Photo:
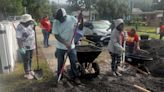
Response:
column 156, row 49
column 106, row 82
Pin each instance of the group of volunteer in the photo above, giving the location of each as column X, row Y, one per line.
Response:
column 63, row 29
column 116, row 45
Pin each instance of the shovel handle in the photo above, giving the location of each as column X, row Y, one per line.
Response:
column 36, row 50
column 62, row 70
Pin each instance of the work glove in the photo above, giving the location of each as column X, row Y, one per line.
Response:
column 122, row 49
column 22, row 50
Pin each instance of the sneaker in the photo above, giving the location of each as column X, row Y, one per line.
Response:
column 118, row 74
column 114, row 74
column 32, row 73
column 77, row 81
column 29, row 76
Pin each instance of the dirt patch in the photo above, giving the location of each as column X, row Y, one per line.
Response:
column 87, row 48
column 105, row 82
column 156, row 49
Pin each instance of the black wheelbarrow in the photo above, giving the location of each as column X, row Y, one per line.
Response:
column 86, row 55
column 138, row 61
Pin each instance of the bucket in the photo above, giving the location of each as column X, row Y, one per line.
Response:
column 144, row 37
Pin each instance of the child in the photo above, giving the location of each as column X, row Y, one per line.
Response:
column 115, row 45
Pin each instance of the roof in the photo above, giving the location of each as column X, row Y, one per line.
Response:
column 137, row 11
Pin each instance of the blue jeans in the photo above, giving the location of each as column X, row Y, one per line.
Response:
column 27, row 61
column 46, row 37
column 116, row 58
column 72, row 57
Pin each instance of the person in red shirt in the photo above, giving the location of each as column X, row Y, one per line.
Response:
column 161, row 31
column 46, row 28
column 132, row 41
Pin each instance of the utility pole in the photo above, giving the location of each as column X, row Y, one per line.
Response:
column 24, row 3
column 89, row 9
column 58, row 3
column 25, row 10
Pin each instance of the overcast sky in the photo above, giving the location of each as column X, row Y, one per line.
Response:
column 60, row 1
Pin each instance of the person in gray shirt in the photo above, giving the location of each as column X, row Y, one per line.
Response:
column 115, row 45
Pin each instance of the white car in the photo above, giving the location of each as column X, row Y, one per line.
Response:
column 101, row 28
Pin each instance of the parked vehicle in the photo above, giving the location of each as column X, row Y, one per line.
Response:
column 99, row 40
column 101, row 27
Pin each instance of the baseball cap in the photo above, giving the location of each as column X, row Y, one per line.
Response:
column 60, row 13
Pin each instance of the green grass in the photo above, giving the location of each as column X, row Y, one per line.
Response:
column 151, row 31
column 151, row 35
column 15, row 81
column 147, row 29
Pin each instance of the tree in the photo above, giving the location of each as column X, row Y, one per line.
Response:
column 110, row 9
column 11, row 7
column 39, row 8
column 77, row 4
column 53, row 7
column 161, row 5
column 145, row 5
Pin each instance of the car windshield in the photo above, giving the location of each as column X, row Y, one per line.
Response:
column 101, row 25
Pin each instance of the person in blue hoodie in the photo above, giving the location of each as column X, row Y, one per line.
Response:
column 79, row 33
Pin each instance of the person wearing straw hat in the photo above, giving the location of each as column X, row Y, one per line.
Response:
column 63, row 30
column 25, row 35
column 115, row 45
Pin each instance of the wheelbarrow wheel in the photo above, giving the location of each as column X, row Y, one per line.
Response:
column 96, row 67
column 81, row 70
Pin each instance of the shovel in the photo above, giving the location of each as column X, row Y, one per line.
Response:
column 38, row 72
column 122, row 68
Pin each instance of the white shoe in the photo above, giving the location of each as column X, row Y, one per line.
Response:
column 114, row 74
column 32, row 73
column 118, row 74
column 29, row 76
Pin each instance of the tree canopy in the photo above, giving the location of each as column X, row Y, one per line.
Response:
column 112, row 8
column 107, row 9
column 37, row 8
column 11, row 7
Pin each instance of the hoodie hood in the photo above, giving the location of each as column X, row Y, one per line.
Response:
column 117, row 22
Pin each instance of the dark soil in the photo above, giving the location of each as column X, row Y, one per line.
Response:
column 156, row 49
column 87, row 48
column 106, row 82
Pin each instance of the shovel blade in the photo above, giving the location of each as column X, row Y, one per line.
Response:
column 38, row 74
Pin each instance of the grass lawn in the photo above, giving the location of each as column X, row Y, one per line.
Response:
column 15, row 81
column 142, row 30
